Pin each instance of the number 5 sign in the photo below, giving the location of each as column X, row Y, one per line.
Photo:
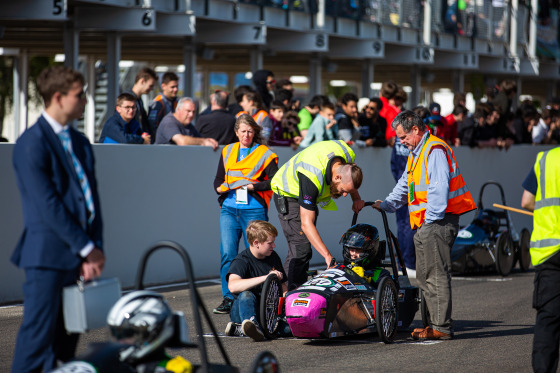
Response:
column 50, row 10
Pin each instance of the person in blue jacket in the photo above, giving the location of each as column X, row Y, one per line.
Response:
column 122, row 127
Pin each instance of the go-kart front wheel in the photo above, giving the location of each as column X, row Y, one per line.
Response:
column 265, row 362
column 270, row 298
column 504, row 253
column 386, row 309
column 524, row 255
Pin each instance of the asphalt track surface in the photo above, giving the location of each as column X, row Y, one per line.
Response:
column 493, row 333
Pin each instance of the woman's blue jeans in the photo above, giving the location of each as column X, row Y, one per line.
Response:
column 244, row 307
column 233, row 223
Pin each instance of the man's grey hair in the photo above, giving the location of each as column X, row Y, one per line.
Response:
column 183, row 100
column 220, row 98
column 407, row 119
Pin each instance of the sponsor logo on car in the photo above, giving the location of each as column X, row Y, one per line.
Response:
column 301, row 302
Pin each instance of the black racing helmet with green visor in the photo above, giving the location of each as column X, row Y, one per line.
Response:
column 363, row 237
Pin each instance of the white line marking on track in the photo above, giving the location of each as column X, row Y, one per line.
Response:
column 482, row 279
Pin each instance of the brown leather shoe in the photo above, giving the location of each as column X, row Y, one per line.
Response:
column 431, row 334
column 420, row 329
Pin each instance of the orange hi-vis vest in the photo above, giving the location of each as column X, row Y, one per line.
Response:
column 248, row 170
column 459, row 199
column 258, row 116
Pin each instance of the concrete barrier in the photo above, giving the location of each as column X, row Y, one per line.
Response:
column 158, row 193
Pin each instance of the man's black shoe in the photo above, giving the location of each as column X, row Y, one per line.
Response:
column 224, row 307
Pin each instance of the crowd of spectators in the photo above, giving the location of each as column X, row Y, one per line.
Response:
column 496, row 122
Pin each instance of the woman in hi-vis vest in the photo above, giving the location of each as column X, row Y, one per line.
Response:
column 243, row 183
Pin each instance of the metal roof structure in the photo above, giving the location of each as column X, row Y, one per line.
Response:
column 356, row 40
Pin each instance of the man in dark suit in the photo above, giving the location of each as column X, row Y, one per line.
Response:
column 62, row 237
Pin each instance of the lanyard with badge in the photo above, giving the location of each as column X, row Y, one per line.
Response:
column 241, row 194
column 411, row 185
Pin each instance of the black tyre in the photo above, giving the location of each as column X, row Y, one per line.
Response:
column 504, row 253
column 386, row 310
column 524, row 245
column 270, row 297
column 424, row 310
column 265, row 362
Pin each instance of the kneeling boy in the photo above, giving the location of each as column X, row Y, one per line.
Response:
column 247, row 273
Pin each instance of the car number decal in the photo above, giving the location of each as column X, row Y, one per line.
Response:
column 465, row 234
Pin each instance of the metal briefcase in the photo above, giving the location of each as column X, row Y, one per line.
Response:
column 86, row 305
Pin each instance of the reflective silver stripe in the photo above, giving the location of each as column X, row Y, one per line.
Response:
column 545, row 243
column 458, row 192
column 239, row 183
column 285, row 185
column 542, row 182
column 315, row 171
column 228, row 152
column 252, row 172
column 345, row 150
column 545, row 203
column 415, row 208
column 422, row 187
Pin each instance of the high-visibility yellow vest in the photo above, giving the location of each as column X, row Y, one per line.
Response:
column 248, row 170
column 459, row 199
column 311, row 162
column 545, row 239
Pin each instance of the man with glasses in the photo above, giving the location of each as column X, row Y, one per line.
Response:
column 122, row 128
column 372, row 125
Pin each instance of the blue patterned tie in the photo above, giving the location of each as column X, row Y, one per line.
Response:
column 82, row 177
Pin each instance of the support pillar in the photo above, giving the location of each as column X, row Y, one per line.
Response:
column 189, row 60
column 113, row 58
column 21, row 75
column 533, row 28
column 89, row 120
column 458, row 81
column 515, row 101
column 513, row 27
column 427, row 30
column 551, row 91
column 256, row 56
column 367, row 77
column 415, row 81
column 315, row 75
column 71, row 45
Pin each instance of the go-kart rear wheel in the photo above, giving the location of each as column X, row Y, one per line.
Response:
column 504, row 253
column 265, row 362
column 424, row 310
column 270, row 297
column 386, row 309
column 524, row 245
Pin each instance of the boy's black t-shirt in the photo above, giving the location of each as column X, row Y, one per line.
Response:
column 248, row 266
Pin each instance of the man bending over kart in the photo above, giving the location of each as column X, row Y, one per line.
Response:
column 309, row 180
column 247, row 273
column 360, row 245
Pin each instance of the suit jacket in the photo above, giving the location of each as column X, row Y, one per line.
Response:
column 54, row 208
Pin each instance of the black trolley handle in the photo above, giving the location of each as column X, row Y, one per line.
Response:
column 391, row 242
column 196, row 300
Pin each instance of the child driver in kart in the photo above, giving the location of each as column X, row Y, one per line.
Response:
column 247, row 273
column 360, row 245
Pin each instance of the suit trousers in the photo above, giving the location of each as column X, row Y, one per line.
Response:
column 299, row 247
column 546, row 300
column 433, row 242
column 42, row 338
